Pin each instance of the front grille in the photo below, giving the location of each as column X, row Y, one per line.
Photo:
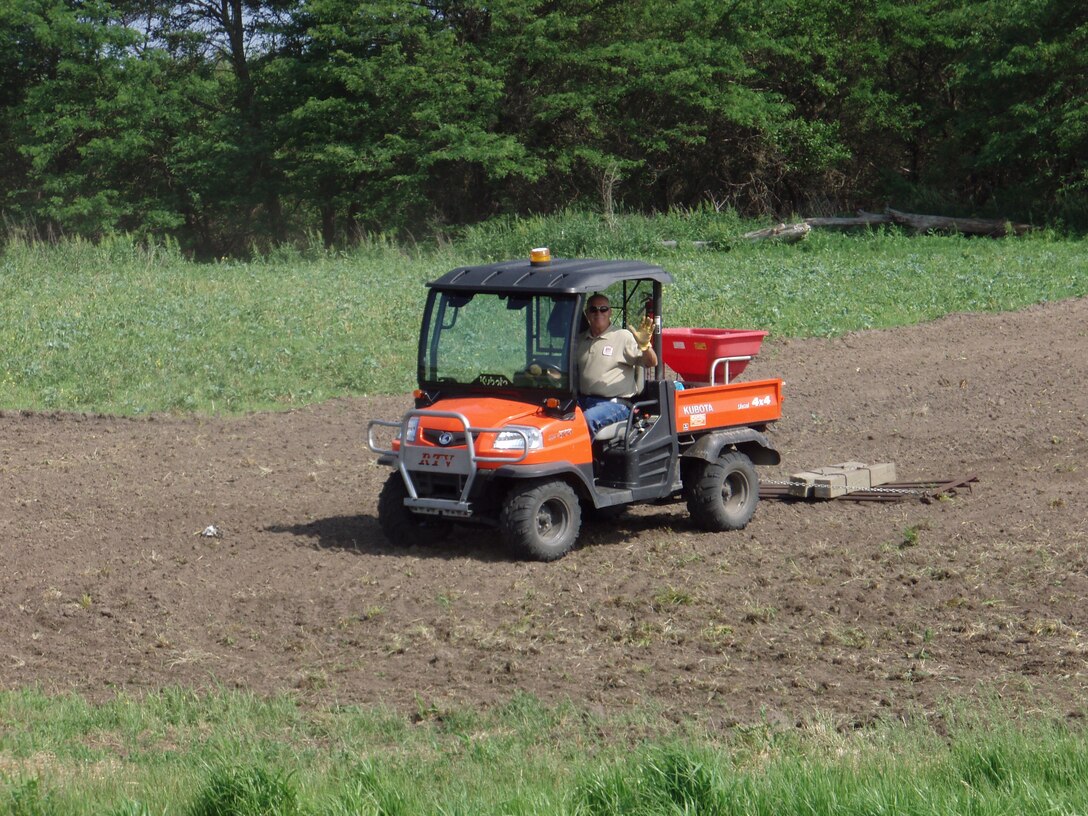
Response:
column 446, row 439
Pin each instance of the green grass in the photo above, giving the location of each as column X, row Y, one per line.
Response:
column 179, row 753
column 117, row 329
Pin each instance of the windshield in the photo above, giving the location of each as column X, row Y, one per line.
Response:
column 496, row 340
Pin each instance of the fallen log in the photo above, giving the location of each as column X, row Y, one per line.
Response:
column 785, row 233
column 790, row 233
column 863, row 219
column 995, row 227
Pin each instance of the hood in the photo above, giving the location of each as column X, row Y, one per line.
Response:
column 485, row 412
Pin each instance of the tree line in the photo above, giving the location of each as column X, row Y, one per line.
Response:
column 233, row 124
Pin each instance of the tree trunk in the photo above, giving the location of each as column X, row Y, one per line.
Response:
column 328, row 224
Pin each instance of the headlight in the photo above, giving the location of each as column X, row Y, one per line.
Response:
column 511, row 440
column 413, row 427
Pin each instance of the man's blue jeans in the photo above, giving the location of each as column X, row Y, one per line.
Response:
column 601, row 411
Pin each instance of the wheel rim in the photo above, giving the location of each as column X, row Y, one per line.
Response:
column 735, row 490
column 552, row 519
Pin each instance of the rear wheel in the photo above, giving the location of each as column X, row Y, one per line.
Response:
column 722, row 494
column 541, row 519
column 401, row 525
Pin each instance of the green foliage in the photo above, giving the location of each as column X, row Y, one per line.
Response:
column 129, row 329
column 25, row 798
column 230, row 754
column 133, row 331
column 237, row 127
column 1026, row 139
column 254, row 791
column 573, row 234
column 662, row 779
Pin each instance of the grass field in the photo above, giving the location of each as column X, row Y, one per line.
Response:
column 232, row 754
column 117, row 329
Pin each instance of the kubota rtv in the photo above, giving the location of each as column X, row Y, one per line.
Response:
column 496, row 436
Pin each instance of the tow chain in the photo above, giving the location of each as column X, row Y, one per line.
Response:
column 780, row 482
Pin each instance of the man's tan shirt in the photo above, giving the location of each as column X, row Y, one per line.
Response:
column 606, row 364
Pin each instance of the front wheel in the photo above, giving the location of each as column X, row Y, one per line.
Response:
column 401, row 525
column 541, row 519
column 722, row 494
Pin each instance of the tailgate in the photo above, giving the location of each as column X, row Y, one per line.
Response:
column 724, row 406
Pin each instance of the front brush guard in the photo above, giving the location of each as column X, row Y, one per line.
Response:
column 460, row 461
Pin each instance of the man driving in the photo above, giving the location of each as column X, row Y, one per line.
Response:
column 607, row 359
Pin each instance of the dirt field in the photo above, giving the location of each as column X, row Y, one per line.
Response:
column 854, row 610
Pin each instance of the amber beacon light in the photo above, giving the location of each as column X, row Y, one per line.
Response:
column 540, row 256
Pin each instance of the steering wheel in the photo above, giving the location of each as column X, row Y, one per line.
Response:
column 538, row 370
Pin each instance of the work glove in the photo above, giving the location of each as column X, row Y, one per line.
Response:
column 644, row 334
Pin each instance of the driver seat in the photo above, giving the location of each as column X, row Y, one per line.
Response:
column 610, row 434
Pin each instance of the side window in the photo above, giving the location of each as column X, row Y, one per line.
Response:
column 554, row 316
column 629, row 301
column 549, row 341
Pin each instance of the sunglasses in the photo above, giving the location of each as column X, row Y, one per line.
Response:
column 602, row 309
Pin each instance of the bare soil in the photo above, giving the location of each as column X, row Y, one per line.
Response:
column 849, row 610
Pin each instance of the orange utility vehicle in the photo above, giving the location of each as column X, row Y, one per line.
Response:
column 496, row 436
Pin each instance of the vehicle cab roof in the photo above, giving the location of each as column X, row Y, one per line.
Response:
column 560, row 275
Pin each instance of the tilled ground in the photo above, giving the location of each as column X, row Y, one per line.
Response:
column 852, row 610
